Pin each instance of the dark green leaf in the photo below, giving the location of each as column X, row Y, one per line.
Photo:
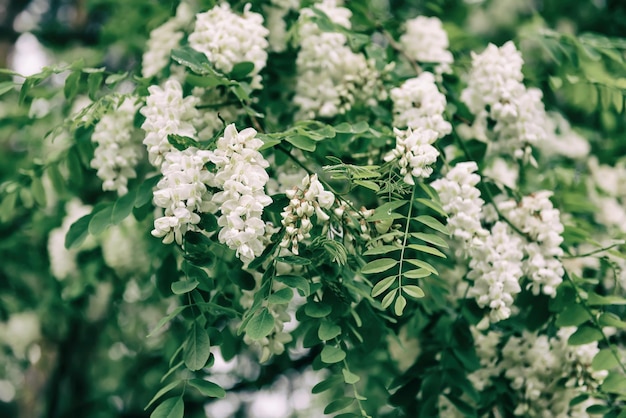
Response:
column 197, row 348
column 433, row 205
column 317, row 309
column 162, row 392
column 38, row 191
column 192, row 59
column 170, row 408
column 585, row 335
column 281, row 296
column 123, row 207
column 241, row 70
column 184, row 286
column 181, row 142
column 207, row 388
column 296, row 282
column 338, row 405
column 101, row 220
column 71, row 85
column 78, row 232
column 166, row 319
column 144, row 194
column 324, row 385
column 572, row 315
column 261, row 325
column 93, row 84
column 294, row 260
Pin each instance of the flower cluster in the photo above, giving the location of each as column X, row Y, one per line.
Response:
column 167, row 112
column 496, row 267
column 418, row 103
column 536, row 217
column 414, row 153
column 331, row 78
column 304, row 201
column 242, row 177
column 426, row 41
column 163, row 39
column 228, row 39
column 495, row 91
column 275, row 14
column 116, row 154
column 182, row 193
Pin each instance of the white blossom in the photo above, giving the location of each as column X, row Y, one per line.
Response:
column 116, row 153
column 414, row 152
column 426, row 41
column 227, row 38
column 418, row 103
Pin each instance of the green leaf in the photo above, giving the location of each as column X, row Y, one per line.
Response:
column 297, row 282
column 597, row 409
column 349, row 377
column 382, row 249
column 338, row 405
column 317, row 309
column 378, row 266
column 194, row 60
column 585, row 335
column 595, row 299
column 431, row 238
column 28, row 84
column 328, row 331
column 417, row 274
column 433, row 223
column 399, row 305
column 181, row 142
column 115, row 78
column 38, row 191
column 6, row 86
column 368, row 184
column 294, row 260
column 101, row 220
column 604, row 360
column 388, row 299
column 433, row 205
column 123, row 207
column 261, row 325
column 614, row 383
column 609, row 319
column 326, row 384
column 166, row 319
column 357, row 128
column 303, row 142
column 331, row 354
column 241, row 70
column 197, row 348
column 184, row 286
column 144, row 194
column 207, row 388
column 162, row 392
column 386, row 211
column 572, row 315
column 93, row 84
column 424, row 265
column 427, row 249
column 413, row 291
column 281, row 296
column 78, row 232
column 170, row 408
column 384, row 284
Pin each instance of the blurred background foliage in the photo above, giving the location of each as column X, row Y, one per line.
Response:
column 79, row 347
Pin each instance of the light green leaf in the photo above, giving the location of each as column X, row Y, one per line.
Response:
column 388, row 299
column 433, row 223
column 197, row 348
column 162, row 392
column 170, row 408
column 386, row 211
column 303, row 142
column 144, row 194
column 382, row 249
column 297, row 282
column 317, row 309
column 427, row 249
column 614, row 383
column 184, row 286
column 331, row 354
column 431, row 238
column 424, row 265
column 368, row 184
column 572, row 316
column 400, row 305
column 93, row 84
column 384, row 284
column 604, row 360
column 338, row 405
column 433, row 205
column 595, row 299
column 281, row 296
column 378, row 266
column 413, row 291
column 416, row 274
column 6, row 86
column 349, row 377
column 328, row 330
column 207, row 388
column 38, row 191
column 294, row 260
column 585, row 335
column 261, row 325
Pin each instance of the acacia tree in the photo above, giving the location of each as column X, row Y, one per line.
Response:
column 431, row 222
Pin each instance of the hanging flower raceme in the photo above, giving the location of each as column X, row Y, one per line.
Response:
column 414, row 153
column 308, row 199
column 116, row 154
column 426, row 41
column 227, row 38
column 242, row 177
column 419, row 104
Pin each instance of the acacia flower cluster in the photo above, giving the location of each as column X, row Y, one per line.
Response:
column 536, row 217
column 240, row 173
column 228, row 39
column 304, row 201
column 331, row 78
column 167, row 112
column 414, row 152
column 418, row 103
column 495, row 91
column 116, row 154
column 426, row 41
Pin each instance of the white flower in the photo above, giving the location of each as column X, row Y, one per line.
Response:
column 418, row 103
column 426, row 41
column 414, row 153
column 116, row 154
column 228, row 39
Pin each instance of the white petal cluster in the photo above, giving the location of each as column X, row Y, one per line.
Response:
column 163, row 39
column 63, row 261
column 242, row 177
column 182, row 193
column 536, row 217
column 496, row 267
column 116, row 154
column 426, row 41
column 495, row 91
column 414, row 152
column 486, row 346
column 227, row 38
column 167, row 112
column 418, row 103
column 304, row 201
column 275, row 14
column 19, row 332
column 461, row 200
column 564, row 140
column 330, row 76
